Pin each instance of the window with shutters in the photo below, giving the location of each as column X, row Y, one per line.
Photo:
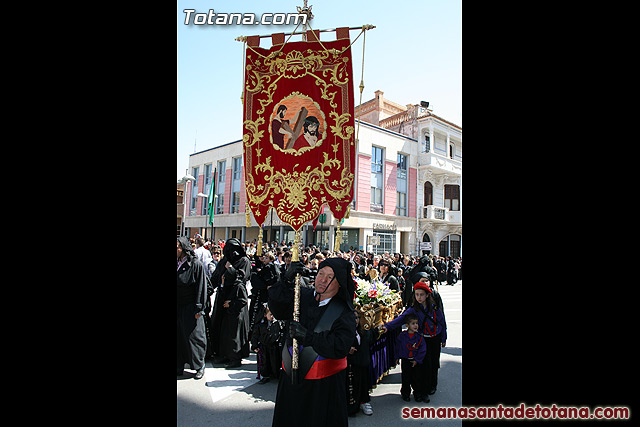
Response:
column 237, row 168
column 194, row 191
column 376, row 179
column 222, row 167
column 207, row 176
column 235, row 202
column 219, row 204
column 401, row 184
column 428, row 193
column 452, row 197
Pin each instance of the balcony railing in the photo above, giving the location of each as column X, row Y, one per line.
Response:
column 441, row 214
column 434, row 212
column 439, row 161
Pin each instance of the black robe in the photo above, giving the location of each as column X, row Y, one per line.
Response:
column 321, row 402
column 267, row 339
column 267, row 276
column 230, row 326
column 358, row 378
column 441, row 268
column 191, row 298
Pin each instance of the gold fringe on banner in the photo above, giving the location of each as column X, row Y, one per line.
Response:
column 259, row 248
column 247, row 213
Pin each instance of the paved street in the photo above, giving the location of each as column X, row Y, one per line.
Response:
column 233, row 397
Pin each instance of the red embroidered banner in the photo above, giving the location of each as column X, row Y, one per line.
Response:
column 298, row 128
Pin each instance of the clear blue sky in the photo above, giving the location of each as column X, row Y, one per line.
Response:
column 414, row 54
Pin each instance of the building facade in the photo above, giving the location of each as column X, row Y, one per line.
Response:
column 180, row 206
column 407, row 192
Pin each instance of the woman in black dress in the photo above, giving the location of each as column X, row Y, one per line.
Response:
column 230, row 321
column 191, row 298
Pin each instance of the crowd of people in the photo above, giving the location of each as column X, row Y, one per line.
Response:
column 449, row 269
column 334, row 352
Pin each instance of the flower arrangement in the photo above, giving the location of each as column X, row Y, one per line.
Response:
column 375, row 302
column 373, row 292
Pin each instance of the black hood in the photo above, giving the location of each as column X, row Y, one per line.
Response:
column 233, row 250
column 187, row 249
column 425, row 260
column 415, row 278
column 342, row 270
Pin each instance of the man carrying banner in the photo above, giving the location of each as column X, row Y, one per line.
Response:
column 325, row 332
column 313, row 167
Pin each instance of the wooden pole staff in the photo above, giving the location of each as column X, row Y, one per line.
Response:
column 295, row 257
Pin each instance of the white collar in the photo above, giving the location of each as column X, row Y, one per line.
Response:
column 323, row 302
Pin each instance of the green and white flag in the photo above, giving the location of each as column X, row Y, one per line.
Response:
column 212, row 193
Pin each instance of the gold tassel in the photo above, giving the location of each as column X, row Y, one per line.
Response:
column 338, row 239
column 295, row 250
column 259, row 248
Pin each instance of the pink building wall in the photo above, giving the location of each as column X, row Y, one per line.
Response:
column 363, row 183
column 200, row 200
column 187, row 199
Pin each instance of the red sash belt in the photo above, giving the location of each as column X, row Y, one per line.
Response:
column 325, row 367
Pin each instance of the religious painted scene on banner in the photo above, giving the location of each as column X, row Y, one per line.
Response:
column 297, row 123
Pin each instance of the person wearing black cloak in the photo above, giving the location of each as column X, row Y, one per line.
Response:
column 441, row 267
column 423, row 266
column 388, row 273
column 191, row 298
column 451, row 271
column 266, row 274
column 325, row 332
column 361, row 265
column 358, row 378
column 230, row 321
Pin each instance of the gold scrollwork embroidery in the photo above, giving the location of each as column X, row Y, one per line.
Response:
column 252, row 126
